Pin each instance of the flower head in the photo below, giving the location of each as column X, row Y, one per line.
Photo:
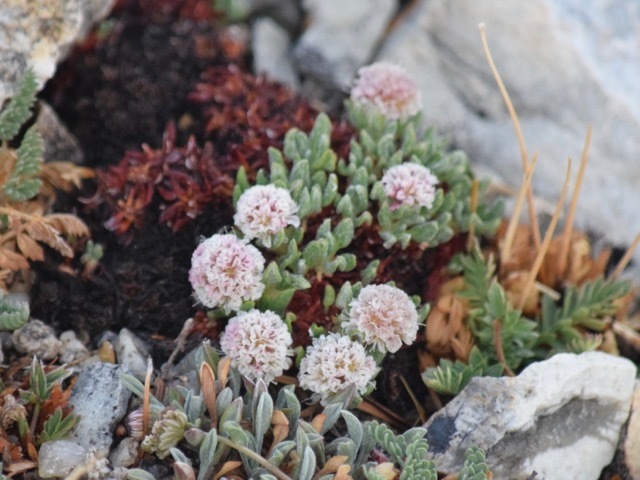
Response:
column 166, row 433
column 384, row 316
column 387, row 88
column 410, row 184
column 258, row 344
column 225, row 271
column 264, row 210
column 333, row 363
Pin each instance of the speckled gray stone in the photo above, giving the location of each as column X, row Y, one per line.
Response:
column 37, row 338
column 57, row 458
column 100, row 399
column 39, row 34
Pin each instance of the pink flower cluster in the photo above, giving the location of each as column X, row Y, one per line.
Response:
column 258, row 344
column 410, row 184
column 384, row 316
column 225, row 272
column 332, row 364
column 264, row 210
column 387, row 88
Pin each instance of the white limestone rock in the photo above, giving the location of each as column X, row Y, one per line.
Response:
column 100, row 399
column 560, row 418
column 132, row 353
column 271, row 47
column 566, row 67
column 57, row 458
column 39, row 34
column 341, row 37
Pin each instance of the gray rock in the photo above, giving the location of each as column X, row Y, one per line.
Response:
column 287, row 13
column 100, row 399
column 39, row 34
column 560, row 418
column 342, row 36
column 631, row 444
column 132, row 353
column 58, row 457
column 72, row 348
column 271, row 47
column 125, row 454
column 565, row 67
column 37, row 338
column 59, row 144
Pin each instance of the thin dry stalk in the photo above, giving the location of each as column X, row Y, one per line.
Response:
column 382, row 413
column 515, row 217
column 497, row 343
column 473, row 206
column 146, row 398
column 533, row 273
column 568, row 228
column 421, row 412
column 626, row 258
column 533, row 217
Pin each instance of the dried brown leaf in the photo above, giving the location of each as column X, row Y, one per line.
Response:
column 29, row 247
column 67, row 224
column 332, row 465
column 65, row 175
column 40, row 230
column 227, row 468
column 11, row 260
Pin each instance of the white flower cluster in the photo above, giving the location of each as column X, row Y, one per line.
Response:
column 225, row 272
column 264, row 210
column 384, row 316
column 410, row 184
column 258, row 344
column 333, row 363
column 387, row 88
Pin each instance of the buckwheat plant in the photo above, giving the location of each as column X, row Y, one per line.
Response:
column 258, row 344
column 225, row 272
column 227, row 426
column 384, row 317
column 341, row 237
column 333, row 364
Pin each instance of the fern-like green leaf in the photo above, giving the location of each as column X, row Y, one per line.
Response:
column 57, row 427
column 17, row 110
column 22, row 184
column 451, row 377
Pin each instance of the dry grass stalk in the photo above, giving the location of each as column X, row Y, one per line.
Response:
column 515, row 218
column 568, row 228
column 547, row 239
column 626, row 258
column 533, row 217
column 146, row 398
column 421, row 412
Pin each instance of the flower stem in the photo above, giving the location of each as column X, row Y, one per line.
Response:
column 254, row 456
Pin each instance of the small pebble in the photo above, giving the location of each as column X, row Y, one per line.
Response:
column 37, row 338
column 72, row 348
